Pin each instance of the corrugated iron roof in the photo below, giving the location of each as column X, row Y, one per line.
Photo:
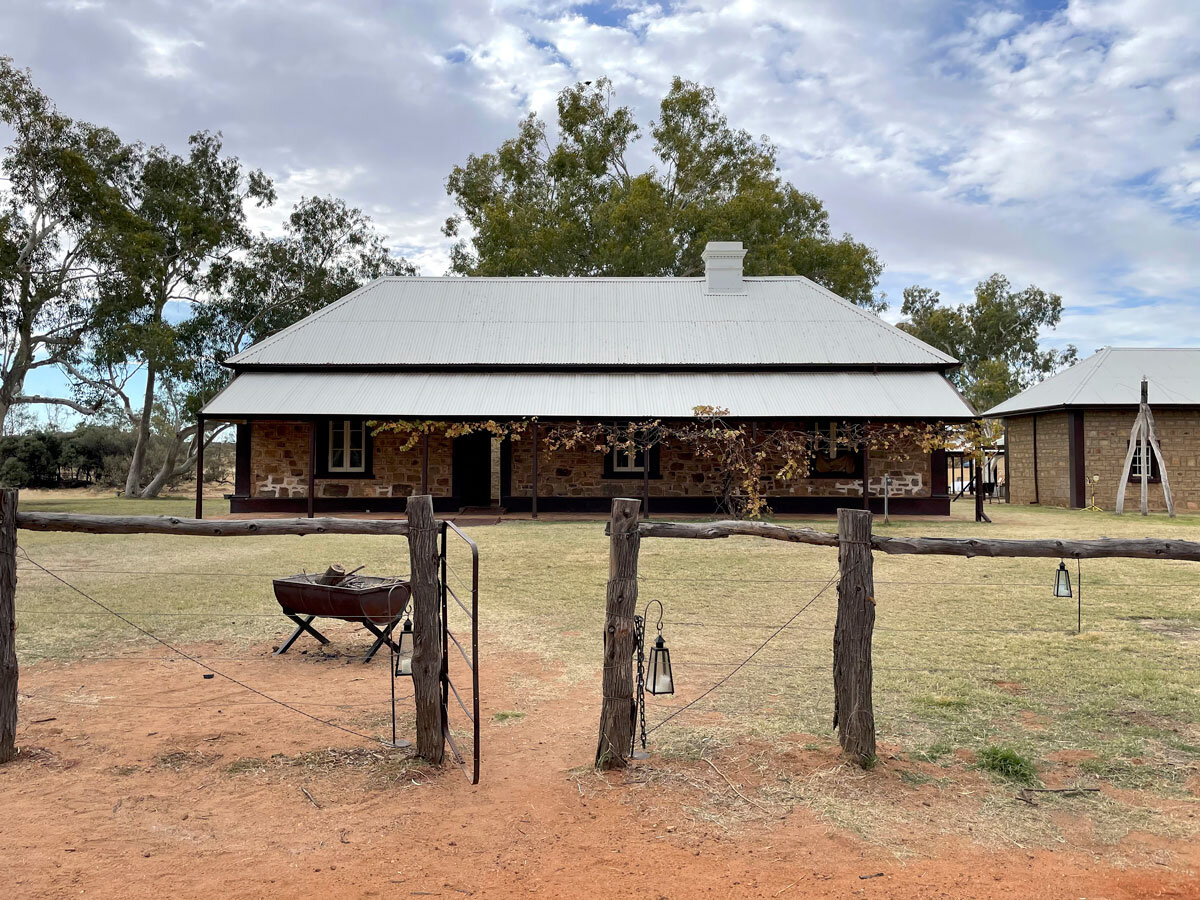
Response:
column 600, row 395
column 1113, row 377
column 399, row 321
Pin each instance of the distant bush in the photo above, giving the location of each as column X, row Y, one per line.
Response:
column 30, row 460
column 51, row 458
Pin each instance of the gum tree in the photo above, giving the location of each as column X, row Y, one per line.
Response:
column 63, row 192
column 572, row 202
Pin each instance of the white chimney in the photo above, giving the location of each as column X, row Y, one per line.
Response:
column 723, row 267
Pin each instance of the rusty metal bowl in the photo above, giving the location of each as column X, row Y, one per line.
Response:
column 376, row 598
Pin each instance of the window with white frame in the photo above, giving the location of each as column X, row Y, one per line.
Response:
column 347, row 446
column 629, row 461
column 1144, row 460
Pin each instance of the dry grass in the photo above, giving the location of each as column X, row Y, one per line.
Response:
column 968, row 653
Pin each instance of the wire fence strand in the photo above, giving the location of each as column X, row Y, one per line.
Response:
column 198, row 661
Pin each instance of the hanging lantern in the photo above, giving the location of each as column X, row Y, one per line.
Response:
column 405, row 655
column 659, row 680
column 1062, row 581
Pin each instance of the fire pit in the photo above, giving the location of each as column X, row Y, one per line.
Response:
column 376, row 602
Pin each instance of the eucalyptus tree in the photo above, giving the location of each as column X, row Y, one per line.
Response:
column 191, row 213
column 63, row 196
column 326, row 250
column 573, row 203
column 996, row 338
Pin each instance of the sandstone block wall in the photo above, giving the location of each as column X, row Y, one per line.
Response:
column 1105, row 440
column 580, row 473
column 279, row 466
column 279, row 469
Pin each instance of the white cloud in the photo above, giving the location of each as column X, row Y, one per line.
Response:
column 1059, row 147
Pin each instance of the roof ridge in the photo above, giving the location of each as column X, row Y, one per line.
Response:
column 872, row 317
column 309, row 319
column 1099, row 358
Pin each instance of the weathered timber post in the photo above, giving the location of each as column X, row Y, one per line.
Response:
column 8, row 625
column 854, row 713
column 980, row 474
column 200, row 467
column 312, row 468
column 425, row 463
column 427, row 627
column 618, row 709
column 1145, row 404
column 646, row 482
column 534, row 491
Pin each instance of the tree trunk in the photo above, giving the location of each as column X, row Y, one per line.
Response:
column 618, row 708
column 854, row 713
column 8, row 625
column 170, row 465
column 427, row 627
column 133, row 481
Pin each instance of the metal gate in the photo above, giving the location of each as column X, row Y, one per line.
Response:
column 469, row 657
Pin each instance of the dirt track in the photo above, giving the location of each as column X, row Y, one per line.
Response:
column 156, row 791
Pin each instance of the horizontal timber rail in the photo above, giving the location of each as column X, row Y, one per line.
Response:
column 1100, row 548
column 41, row 521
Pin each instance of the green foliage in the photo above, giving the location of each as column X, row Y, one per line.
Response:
column 30, row 460
column 63, row 186
column 88, row 450
column 327, row 250
column 573, row 207
column 995, row 338
column 1008, row 764
column 189, row 210
column 49, row 458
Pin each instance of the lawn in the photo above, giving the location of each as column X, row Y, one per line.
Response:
column 976, row 664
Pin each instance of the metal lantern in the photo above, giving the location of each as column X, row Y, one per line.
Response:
column 658, row 669
column 1062, row 581
column 405, row 655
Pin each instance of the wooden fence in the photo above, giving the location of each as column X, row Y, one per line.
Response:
column 421, row 529
column 854, row 714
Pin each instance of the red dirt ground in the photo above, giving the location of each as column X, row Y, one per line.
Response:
column 134, row 797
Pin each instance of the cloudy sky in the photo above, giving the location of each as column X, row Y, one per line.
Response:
column 1056, row 142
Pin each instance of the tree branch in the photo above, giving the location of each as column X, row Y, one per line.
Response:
column 32, row 399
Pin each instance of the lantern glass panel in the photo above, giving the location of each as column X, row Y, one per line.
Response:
column 660, row 680
column 404, row 657
column 1062, row 581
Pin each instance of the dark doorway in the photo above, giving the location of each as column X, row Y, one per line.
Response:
column 473, row 469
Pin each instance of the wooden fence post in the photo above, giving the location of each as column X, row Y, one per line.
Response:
column 618, row 709
column 427, row 627
column 854, row 713
column 8, row 625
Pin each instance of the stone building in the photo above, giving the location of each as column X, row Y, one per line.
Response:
column 776, row 352
column 1068, row 436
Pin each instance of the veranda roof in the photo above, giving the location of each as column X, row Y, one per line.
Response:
column 601, row 395
column 1113, row 377
column 590, row 322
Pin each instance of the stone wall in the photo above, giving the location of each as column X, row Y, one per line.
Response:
column 580, row 473
column 279, row 469
column 1053, row 464
column 1105, row 440
column 279, row 465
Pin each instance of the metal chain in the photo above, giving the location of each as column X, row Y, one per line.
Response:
column 639, row 643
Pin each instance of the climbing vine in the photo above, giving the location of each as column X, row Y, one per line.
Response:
column 745, row 459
